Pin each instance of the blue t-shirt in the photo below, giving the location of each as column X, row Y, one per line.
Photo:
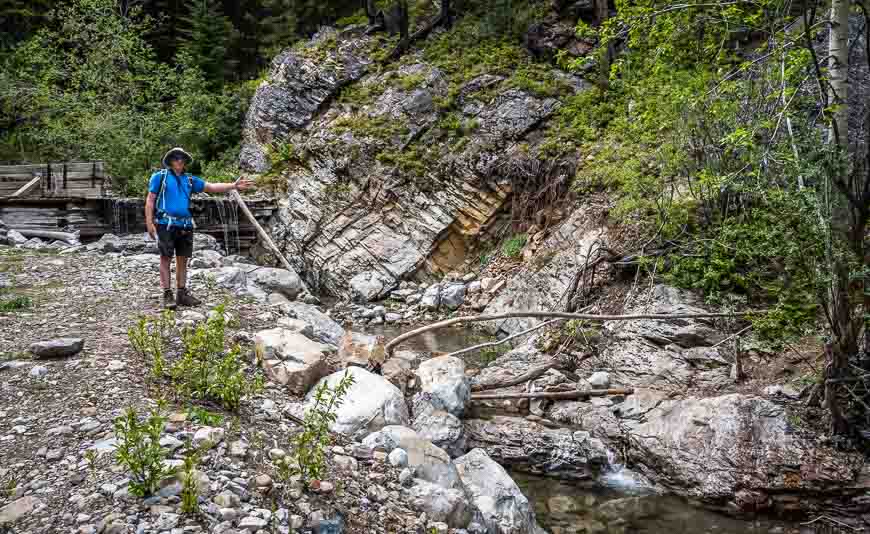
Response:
column 175, row 200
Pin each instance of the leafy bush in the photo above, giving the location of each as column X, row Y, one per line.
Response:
column 139, row 450
column 309, row 446
column 208, row 371
column 15, row 303
column 513, row 247
column 190, row 488
column 149, row 337
column 204, row 417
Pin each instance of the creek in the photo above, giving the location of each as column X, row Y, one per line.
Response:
column 617, row 503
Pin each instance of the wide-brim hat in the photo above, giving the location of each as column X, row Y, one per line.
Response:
column 177, row 151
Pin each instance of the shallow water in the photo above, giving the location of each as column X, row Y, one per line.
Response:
column 441, row 341
column 616, row 505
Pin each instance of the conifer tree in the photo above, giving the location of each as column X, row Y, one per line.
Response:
column 207, row 42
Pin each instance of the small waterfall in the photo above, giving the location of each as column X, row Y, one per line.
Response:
column 228, row 215
column 622, row 478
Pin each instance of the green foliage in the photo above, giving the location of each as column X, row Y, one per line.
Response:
column 149, row 338
column 138, row 450
column 513, row 247
column 207, row 370
column 190, row 487
column 363, row 125
column 15, row 303
column 309, row 446
column 409, row 82
column 202, row 416
column 359, row 17
column 208, row 36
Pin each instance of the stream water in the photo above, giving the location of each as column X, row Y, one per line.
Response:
column 618, row 503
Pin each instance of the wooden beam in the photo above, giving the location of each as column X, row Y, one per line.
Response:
column 28, row 187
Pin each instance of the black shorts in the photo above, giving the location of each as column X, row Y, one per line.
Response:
column 175, row 241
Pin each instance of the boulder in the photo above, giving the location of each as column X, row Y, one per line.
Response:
column 445, row 380
column 324, row 329
column 443, row 429
column 371, row 403
column 501, row 506
column 370, row 286
column 15, row 238
column 206, row 259
column 291, row 359
column 429, row 462
column 362, row 350
column 431, row 298
column 57, row 348
column 599, row 380
column 232, row 278
column 453, row 296
column 440, row 504
column 273, row 280
column 17, row 509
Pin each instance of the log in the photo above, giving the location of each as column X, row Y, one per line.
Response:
column 554, row 395
column 391, row 346
column 531, row 374
column 72, row 239
column 238, row 198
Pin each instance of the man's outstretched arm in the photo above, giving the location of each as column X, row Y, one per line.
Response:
column 241, row 185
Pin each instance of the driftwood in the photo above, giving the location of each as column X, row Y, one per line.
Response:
column 531, row 374
column 554, row 395
column 391, row 346
column 72, row 239
column 28, row 187
column 238, row 198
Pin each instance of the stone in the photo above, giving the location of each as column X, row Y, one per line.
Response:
column 232, row 278
column 253, row 524
column 444, row 379
column 239, row 448
column 599, row 380
column 275, row 280
column 431, row 299
column 323, row 328
column 291, row 359
column 166, row 521
column 428, row 462
column 441, row 504
column 405, row 476
column 17, row 509
column 263, row 481
column 370, row 403
column 16, row 238
column 392, row 317
column 370, row 286
column 474, row 287
column 38, row 371
column 207, row 437
column 443, row 429
column 501, row 505
column 786, row 391
column 277, row 454
column 57, row 348
column 377, row 493
column 398, row 458
column 346, row 463
column 360, row 350
column 227, row 499
column 453, row 296
column 206, row 259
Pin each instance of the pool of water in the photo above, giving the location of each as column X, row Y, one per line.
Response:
column 441, row 342
column 618, row 505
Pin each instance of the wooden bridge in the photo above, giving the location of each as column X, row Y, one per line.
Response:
column 75, row 197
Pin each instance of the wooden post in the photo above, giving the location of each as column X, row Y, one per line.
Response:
column 238, row 198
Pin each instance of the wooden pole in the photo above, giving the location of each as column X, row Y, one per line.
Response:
column 238, row 198
column 554, row 395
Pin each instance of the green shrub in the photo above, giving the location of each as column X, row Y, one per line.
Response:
column 138, row 450
column 513, row 247
column 190, row 488
column 204, row 417
column 207, row 370
column 309, row 446
column 149, row 338
column 16, row 303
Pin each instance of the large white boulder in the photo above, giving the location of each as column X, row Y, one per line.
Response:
column 443, row 378
column 370, row 404
column 274, row 280
column 502, row 507
column 291, row 359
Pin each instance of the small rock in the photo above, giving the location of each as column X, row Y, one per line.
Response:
column 253, row 524
column 346, row 463
column 393, row 317
column 377, row 493
column 207, row 437
column 326, row 487
column 60, row 431
column 277, row 454
column 406, row 477
column 398, row 458
column 227, row 499
column 57, row 348
column 54, row 455
column 239, row 448
column 296, row 522
column 38, row 371
column 166, row 521
column 600, row 380
column 263, row 481
column 116, row 365
column 228, row 514
column 170, row 442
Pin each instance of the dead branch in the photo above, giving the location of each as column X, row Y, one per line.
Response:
column 531, row 374
column 555, row 395
column 391, row 346
column 503, row 341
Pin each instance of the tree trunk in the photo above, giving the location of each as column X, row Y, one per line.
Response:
column 838, row 70
column 445, row 13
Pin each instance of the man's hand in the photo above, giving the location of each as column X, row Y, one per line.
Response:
column 243, row 183
column 152, row 231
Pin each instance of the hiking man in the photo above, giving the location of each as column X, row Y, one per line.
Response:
column 169, row 221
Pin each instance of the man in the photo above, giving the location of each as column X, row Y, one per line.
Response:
column 169, row 193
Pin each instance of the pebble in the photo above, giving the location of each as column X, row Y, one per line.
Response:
column 277, row 454
column 54, row 455
column 398, row 458
column 227, row 499
column 346, row 463
column 253, row 524
column 405, row 477
column 263, row 481
column 379, row 456
column 207, row 437
column 239, row 448
column 38, row 371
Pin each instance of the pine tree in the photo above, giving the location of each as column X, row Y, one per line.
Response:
column 207, row 42
column 277, row 26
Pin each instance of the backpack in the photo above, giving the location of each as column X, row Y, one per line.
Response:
column 161, row 192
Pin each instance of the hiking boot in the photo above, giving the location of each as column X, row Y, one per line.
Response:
column 168, row 300
column 186, row 299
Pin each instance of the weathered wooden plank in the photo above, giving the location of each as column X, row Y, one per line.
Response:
column 56, row 167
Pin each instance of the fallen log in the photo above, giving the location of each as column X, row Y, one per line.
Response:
column 72, row 239
column 238, row 198
column 554, row 395
column 531, row 374
column 391, row 346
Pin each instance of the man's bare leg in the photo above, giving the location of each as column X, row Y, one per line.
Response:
column 181, row 272
column 165, row 284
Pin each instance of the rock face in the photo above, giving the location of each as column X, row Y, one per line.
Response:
column 537, row 288
column 371, row 403
column 377, row 194
column 57, row 348
column 291, row 359
column 443, row 378
column 502, row 507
